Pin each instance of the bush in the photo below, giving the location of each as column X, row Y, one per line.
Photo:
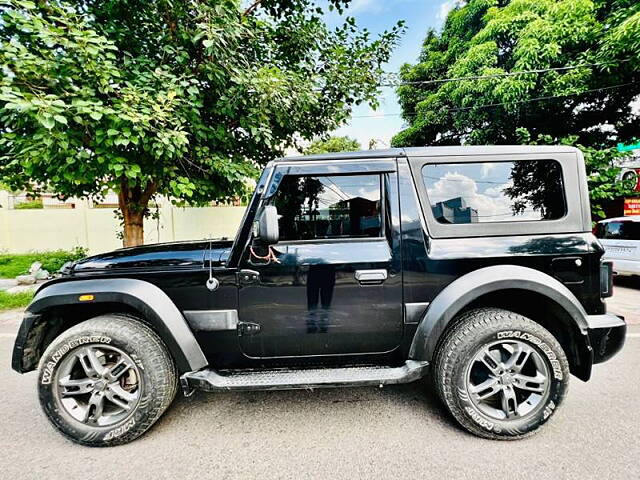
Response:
column 12, row 265
column 14, row 300
column 30, row 205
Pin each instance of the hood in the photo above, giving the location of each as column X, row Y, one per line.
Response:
column 156, row 256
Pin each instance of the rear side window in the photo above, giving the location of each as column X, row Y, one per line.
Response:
column 329, row 207
column 485, row 192
column 622, row 230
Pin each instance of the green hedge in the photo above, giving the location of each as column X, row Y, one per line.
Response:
column 12, row 265
column 33, row 204
column 14, row 300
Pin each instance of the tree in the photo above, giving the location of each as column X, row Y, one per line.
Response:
column 602, row 177
column 496, row 39
column 333, row 144
column 184, row 99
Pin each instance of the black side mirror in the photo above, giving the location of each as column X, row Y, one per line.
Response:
column 267, row 224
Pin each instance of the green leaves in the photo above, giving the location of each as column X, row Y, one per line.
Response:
column 579, row 47
column 184, row 99
column 333, row 144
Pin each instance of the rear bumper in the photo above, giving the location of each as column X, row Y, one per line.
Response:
column 606, row 335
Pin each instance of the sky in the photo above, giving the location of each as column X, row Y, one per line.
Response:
column 377, row 16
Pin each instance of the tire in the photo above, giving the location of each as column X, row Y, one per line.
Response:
column 483, row 392
column 106, row 381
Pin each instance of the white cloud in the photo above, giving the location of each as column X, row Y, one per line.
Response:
column 362, row 5
column 492, row 204
column 635, row 105
column 487, row 167
column 447, row 6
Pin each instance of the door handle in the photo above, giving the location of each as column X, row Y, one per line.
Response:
column 371, row 277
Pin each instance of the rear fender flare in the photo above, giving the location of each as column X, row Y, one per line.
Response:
column 464, row 290
column 154, row 305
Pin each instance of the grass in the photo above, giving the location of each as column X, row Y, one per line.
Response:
column 12, row 265
column 14, row 300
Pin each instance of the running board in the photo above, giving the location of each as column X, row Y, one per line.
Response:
column 291, row 379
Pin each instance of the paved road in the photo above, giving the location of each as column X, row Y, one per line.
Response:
column 395, row 432
column 626, row 298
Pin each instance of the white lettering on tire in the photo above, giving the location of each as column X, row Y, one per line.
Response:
column 548, row 410
column 483, row 422
column 121, row 430
column 553, row 359
column 47, row 373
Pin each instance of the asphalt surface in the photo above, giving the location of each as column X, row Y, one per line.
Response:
column 395, row 432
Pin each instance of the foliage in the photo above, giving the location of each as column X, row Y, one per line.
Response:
column 494, row 37
column 333, row 144
column 12, row 265
column 14, row 300
column 602, row 172
column 30, row 205
column 184, row 99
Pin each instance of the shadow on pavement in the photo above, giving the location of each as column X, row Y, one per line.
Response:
column 628, row 282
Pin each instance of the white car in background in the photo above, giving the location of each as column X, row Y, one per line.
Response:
column 621, row 240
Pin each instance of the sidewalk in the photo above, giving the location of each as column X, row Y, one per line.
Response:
column 9, row 285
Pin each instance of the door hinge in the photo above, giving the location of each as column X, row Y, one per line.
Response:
column 248, row 276
column 248, row 328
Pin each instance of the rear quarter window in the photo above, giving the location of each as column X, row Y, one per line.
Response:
column 499, row 191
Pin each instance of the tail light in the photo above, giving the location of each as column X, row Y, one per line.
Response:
column 606, row 279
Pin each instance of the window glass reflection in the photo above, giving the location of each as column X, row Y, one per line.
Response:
column 526, row 190
column 329, row 207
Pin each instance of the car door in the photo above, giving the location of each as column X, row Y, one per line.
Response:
column 621, row 241
column 332, row 284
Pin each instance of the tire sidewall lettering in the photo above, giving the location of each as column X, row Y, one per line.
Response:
column 121, row 430
column 51, row 363
column 511, row 426
column 546, row 349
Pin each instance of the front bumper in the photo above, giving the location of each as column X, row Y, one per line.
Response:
column 606, row 335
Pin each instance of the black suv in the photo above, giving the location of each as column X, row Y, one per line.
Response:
column 476, row 264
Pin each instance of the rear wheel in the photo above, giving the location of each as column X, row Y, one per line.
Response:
column 105, row 381
column 501, row 375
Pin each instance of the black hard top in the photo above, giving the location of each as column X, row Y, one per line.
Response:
column 434, row 152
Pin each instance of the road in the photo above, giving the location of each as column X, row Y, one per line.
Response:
column 395, row 432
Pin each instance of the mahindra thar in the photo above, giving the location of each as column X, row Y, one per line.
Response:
column 474, row 265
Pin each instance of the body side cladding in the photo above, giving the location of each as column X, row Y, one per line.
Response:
column 413, row 312
column 212, row 320
column 463, row 291
column 154, row 305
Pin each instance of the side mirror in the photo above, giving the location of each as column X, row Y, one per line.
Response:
column 268, row 231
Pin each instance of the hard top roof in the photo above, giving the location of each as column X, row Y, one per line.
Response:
column 434, row 152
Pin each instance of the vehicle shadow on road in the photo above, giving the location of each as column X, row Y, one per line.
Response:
column 229, row 411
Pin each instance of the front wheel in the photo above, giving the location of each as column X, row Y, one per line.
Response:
column 105, row 381
column 501, row 375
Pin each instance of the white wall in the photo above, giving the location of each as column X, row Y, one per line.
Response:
column 96, row 228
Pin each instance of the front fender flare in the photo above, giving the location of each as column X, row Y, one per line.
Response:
column 461, row 292
column 154, row 305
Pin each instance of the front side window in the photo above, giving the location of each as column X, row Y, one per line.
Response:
column 523, row 190
column 329, row 207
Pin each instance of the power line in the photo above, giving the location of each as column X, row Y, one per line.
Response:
column 490, row 105
column 497, row 75
column 488, row 76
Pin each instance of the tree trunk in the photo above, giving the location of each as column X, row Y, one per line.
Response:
column 133, row 202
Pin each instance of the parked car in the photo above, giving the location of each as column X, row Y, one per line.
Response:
column 477, row 264
column 621, row 240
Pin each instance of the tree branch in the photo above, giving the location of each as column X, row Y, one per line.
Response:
column 252, row 7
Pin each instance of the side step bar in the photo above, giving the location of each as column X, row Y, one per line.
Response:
column 291, row 379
